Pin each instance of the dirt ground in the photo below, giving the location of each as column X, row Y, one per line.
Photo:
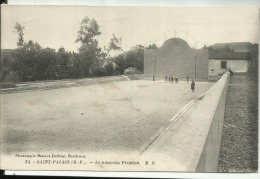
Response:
column 239, row 147
column 124, row 115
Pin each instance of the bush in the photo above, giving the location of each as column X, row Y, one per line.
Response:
column 109, row 68
column 98, row 71
column 11, row 77
column 7, row 85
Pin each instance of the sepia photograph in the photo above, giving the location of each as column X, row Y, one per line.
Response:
column 121, row 88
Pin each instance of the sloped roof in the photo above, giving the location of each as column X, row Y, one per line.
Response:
column 235, row 46
column 230, row 56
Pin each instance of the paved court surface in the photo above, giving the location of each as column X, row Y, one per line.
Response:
column 117, row 116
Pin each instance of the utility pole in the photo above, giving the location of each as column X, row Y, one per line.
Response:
column 155, row 65
column 196, row 61
column 35, row 72
column 195, row 67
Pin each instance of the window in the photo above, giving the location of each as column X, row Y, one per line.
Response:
column 223, row 64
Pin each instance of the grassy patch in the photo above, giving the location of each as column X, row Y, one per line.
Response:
column 7, row 85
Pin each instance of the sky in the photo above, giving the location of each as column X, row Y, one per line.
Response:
column 57, row 26
column 193, row 3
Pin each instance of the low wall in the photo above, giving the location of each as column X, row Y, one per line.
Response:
column 214, row 103
column 192, row 143
column 207, row 124
column 54, row 84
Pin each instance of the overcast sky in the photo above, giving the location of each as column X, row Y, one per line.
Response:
column 56, row 26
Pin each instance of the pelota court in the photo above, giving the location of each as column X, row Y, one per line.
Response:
column 116, row 116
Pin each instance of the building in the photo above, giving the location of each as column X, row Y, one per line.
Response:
column 234, row 56
column 221, row 62
column 175, row 57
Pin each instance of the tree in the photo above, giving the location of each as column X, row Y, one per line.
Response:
column 7, row 61
column 205, row 47
column 62, row 62
column 114, row 44
column 132, row 58
column 46, row 60
column 109, row 69
column 121, row 63
column 89, row 29
column 19, row 29
column 89, row 52
column 26, row 60
column 135, row 57
column 108, row 56
column 153, row 46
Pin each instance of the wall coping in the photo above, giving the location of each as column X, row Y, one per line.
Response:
column 184, row 144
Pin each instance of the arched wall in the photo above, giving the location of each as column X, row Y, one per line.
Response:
column 177, row 58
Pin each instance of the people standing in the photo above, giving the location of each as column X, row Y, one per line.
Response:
column 176, row 79
column 153, row 78
column 192, row 85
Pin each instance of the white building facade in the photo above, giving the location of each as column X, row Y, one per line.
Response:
column 219, row 63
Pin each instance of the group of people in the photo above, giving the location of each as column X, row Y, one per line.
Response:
column 171, row 78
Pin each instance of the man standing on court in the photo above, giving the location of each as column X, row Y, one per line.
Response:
column 192, row 85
